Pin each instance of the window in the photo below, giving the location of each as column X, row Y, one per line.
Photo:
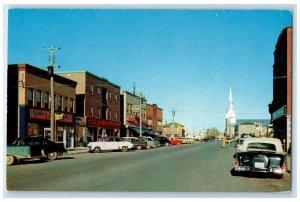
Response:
column 116, row 116
column 109, row 114
column 59, row 102
column 71, row 105
column 99, row 92
column 99, row 113
column 116, row 98
column 30, row 97
column 92, row 89
column 46, row 100
column 91, row 111
column 261, row 146
column 38, row 99
column 66, row 104
column 109, row 95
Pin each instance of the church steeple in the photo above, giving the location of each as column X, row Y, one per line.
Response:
column 230, row 116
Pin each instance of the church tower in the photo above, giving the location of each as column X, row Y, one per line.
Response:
column 230, row 117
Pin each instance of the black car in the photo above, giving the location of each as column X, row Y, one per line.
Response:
column 162, row 140
column 41, row 147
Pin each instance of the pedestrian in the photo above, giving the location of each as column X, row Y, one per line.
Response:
column 224, row 142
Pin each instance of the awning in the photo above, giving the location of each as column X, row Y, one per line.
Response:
column 145, row 131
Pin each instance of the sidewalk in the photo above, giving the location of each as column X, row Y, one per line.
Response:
column 77, row 150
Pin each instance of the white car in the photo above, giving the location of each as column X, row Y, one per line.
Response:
column 110, row 143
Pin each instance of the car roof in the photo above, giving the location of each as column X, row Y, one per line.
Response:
column 274, row 141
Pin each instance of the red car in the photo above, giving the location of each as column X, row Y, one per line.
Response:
column 176, row 141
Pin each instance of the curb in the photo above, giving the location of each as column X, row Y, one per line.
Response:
column 78, row 150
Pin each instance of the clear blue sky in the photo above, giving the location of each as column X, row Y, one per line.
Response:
column 183, row 59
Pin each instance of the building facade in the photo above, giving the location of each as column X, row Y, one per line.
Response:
column 173, row 130
column 154, row 118
column 134, row 109
column 28, row 105
column 98, row 106
column 281, row 106
column 256, row 127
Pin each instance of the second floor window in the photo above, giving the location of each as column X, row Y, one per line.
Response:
column 91, row 111
column 92, row 89
column 99, row 113
column 46, row 100
column 99, row 92
column 65, row 104
column 59, row 103
column 71, row 105
column 38, row 99
column 30, row 97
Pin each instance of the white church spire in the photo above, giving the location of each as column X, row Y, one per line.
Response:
column 230, row 116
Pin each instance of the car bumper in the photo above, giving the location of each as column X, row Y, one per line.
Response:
column 276, row 171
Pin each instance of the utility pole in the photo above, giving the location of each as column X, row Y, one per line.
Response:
column 141, row 94
column 51, row 64
column 173, row 123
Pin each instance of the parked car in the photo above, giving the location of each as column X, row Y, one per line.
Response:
column 207, row 139
column 149, row 141
column 110, row 143
column 260, row 155
column 137, row 143
column 163, row 140
column 33, row 147
column 176, row 141
column 187, row 140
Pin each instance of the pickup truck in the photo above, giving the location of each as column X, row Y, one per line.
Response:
column 32, row 147
column 260, row 155
column 110, row 143
column 137, row 144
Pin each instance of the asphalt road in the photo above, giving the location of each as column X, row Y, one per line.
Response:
column 201, row 168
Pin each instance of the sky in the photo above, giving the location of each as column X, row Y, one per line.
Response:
column 181, row 59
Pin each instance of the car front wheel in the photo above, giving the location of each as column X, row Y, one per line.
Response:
column 10, row 160
column 97, row 150
column 52, row 155
column 124, row 149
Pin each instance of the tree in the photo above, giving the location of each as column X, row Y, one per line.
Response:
column 213, row 132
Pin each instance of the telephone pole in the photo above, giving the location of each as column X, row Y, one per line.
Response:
column 51, row 64
column 173, row 123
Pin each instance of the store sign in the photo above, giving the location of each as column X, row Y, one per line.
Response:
column 40, row 114
column 102, row 123
column 63, row 117
column 279, row 113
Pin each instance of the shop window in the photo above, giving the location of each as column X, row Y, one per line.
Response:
column 46, row 100
column 30, row 97
column 38, row 99
column 59, row 103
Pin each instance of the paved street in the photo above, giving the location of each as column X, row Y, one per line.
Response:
column 200, row 167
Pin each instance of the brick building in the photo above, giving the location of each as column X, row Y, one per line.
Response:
column 173, row 130
column 28, row 105
column 281, row 106
column 98, row 106
column 154, row 118
column 131, row 104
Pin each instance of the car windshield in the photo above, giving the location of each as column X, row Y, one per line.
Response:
column 261, row 146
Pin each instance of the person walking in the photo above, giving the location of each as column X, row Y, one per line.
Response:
column 224, row 142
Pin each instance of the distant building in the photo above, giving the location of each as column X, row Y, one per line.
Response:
column 28, row 105
column 154, row 118
column 173, row 130
column 98, row 106
column 256, row 127
column 281, row 106
column 134, row 109
column 230, row 117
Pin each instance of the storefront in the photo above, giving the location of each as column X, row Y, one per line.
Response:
column 36, row 122
column 99, row 128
